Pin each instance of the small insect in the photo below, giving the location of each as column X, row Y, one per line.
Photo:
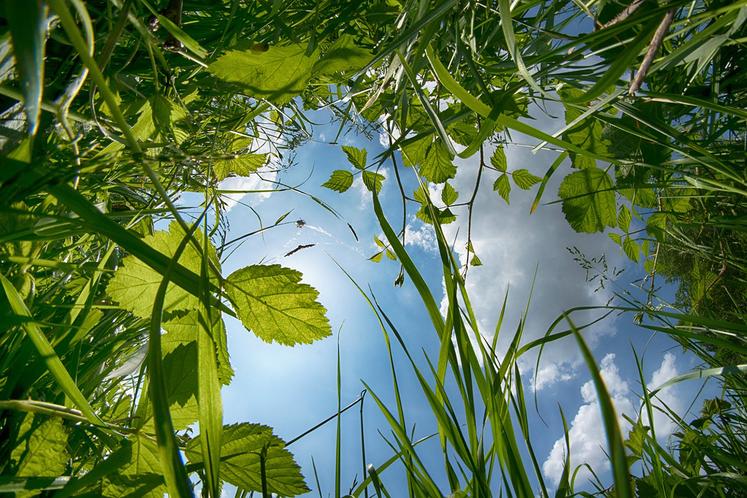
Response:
column 300, row 223
column 301, row 246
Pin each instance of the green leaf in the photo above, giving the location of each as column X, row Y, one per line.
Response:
column 356, row 156
column 624, row 218
column 524, row 179
column 27, row 20
column 587, row 134
column 449, row 195
column 135, row 284
column 631, row 248
column 503, row 187
column 373, row 181
column 588, row 202
column 498, row 159
column 184, row 329
column 242, row 449
column 616, row 238
column 437, row 166
column 340, row 181
column 241, row 165
column 475, row 261
column 276, row 73
column 343, row 57
column 134, row 470
column 41, row 449
column 271, row 301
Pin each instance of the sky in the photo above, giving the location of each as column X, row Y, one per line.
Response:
column 293, row 388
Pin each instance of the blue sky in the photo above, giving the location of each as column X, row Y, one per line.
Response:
column 292, row 389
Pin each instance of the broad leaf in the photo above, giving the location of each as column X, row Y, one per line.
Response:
column 356, row 156
column 133, row 470
column 276, row 73
column 343, row 57
column 271, row 301
column 242, row 449
column 42, row 448
column 449, row 195
column 373, row 181
column 524, row 179
column 588, row 201
column 135, row 284
column 503, row 187
column 340, row 181
column 437, row 166
column 240, row 165
column 498, row 159
column 631, row 248
column 624, row 218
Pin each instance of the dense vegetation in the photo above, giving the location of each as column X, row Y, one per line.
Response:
column 112, row 109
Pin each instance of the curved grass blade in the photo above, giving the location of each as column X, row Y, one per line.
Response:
column 609, row 417
column 27, row 20
column 48, row 354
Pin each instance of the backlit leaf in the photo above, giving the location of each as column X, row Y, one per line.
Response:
column 135, row 284
column 373, row 181
column 503, row 187
column 498, row 159
column 271, row 301
column 356, row 156
column 524, row 179
column 588, row 202
column 449, row 195
column 631, row 248
column 623, row 218
column 277, row 73
column 437, row 166
column 340, row 181
column 343, row 57
column 241, row 165
column 242, row 448
column 42, row 448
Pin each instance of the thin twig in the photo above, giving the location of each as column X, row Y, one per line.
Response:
column 653, row 47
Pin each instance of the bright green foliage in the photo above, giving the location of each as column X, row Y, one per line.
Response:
column 277, row 73
column 503, row 187
column 524, row 179
column 339, row 181
column 631, row 248
column 448, row 195
column 498, row 159
column 134, row 284
column 343, row 57
column 183, row 329
column 243, row 448
column 271, row 301
column 356, row 156
column 624, row 218
column 134, row 470
column 42, row 448
column 588, row 201
column 437, row 166
column 588, row 134
column 373, row 181
column 241, row 165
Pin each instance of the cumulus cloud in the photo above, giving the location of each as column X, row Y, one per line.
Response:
column 588, row 443
column 512, row 244
column 420, row 235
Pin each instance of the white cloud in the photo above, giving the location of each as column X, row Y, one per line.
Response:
column 550, row 374
column 668, row 396
column 420, row 235
column 588, row 443
column 512, row 243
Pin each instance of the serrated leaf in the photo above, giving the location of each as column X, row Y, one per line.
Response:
column 624, row 218
column 134, row 284
column 449, row 195
column 503, row 187
column 498, row 159
column 356, row 156
column 373, row 181
column 41, row 449
column 241, row 165
column 271, row 301
column 340, row 181
column 588, row 134
column 134, row 470
column 343, row 57
column 241, row 450
column 616, row 238
column 588, row 201
column 437, row 166
column 277, row 73
column 28, row 25
column 524, row 179
column 631, row 248
column 421, row 194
